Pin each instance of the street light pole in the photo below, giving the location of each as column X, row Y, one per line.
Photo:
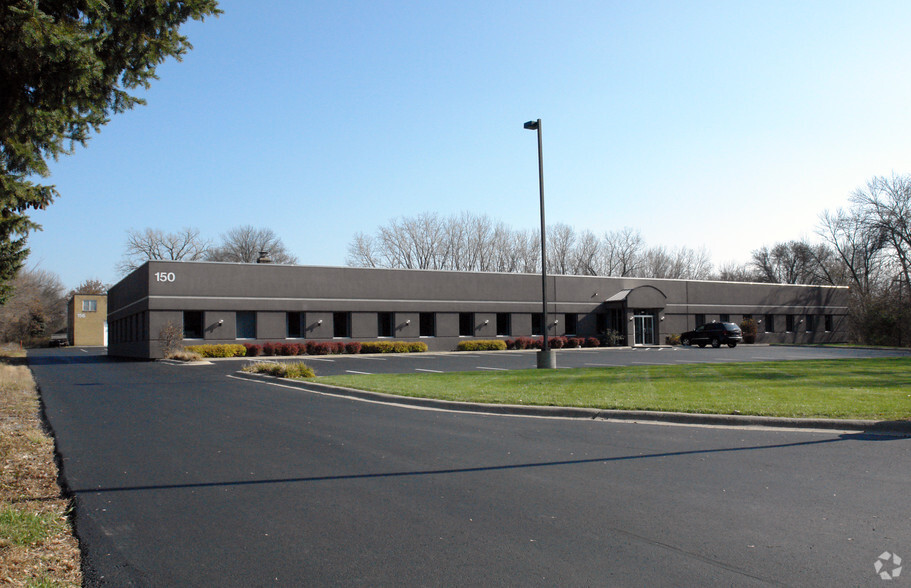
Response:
column 546, row 359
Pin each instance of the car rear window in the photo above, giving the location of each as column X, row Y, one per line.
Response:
column 731, row 327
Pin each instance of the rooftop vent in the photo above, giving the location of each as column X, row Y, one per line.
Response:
column 264, row 257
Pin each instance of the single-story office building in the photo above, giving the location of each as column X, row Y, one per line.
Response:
column 216, row 302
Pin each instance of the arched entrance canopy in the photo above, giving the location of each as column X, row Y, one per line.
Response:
column 640, row 297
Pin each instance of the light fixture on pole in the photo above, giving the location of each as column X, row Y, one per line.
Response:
column 546, row 358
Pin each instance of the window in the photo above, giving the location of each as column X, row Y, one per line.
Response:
column 570, row 323
column 829, row 321
column 725, row 318
column 192, row 324
column 811, row 323
column 504, row 324
column 296, row 324
column 770, row 323
column 747, row 317
column 341, row 324
column 245, row 323
column 384, row 324
column 89, row 306
column 466, row 324
column 601, row 322
column 428, row 322
column 789, row 323
column 700, row 320
column 537, row 323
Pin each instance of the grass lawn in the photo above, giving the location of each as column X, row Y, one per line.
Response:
column 877, row 389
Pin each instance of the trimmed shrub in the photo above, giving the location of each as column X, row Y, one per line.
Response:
column 219, row 350
column 482, row 345
column 310, row 347
column 270, row 348
column 184, row 355
column 292, row 369
column 253, row 350
column 353, row 348
column 290, row 349
column 575, row 342
column 376, row 347
column 591, row 342
column 672, row 339
column 524, row 343
column 557, row 342
column 392, row 347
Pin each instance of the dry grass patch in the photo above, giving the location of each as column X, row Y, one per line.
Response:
column 37, row 546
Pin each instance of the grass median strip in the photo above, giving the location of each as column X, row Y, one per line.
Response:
column 37, row 546
column 878, row 389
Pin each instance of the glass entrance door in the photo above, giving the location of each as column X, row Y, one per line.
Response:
column 644, row 325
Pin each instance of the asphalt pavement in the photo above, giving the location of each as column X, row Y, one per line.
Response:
column 183, row 476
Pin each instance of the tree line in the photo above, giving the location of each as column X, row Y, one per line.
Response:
column 477, row 243
column 866, row 246
column 243, row 244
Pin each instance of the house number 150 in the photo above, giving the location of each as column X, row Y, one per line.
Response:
column 165, row 276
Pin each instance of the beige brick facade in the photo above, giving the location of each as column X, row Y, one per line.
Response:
column 87, row 316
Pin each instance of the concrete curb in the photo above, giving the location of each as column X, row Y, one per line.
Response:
column 897, row 428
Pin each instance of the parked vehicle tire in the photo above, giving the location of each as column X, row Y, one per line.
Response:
column 716, row 342
column 685, row 341
column 732, row 344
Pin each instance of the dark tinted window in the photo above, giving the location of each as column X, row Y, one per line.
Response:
column 192, row 324
column 295, row 325
column 466, row 324
column 504, row 326
column 341, row 324
column 384, row 324
column 246, row 324
column 570, row 324
column 537, row 323
column 428, row 324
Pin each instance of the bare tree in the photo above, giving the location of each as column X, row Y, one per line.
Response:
column 152, row 244
column 587, row 255
column 245, row 243
column 736, row 272
column 36, row 309
column 682, row 263
column 90, row 286
column 794, row 262
column 886, row 204
column 622, row 252
column 561, row 241
column 362, row 252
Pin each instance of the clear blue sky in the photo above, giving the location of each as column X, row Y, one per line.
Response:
column 322, row 119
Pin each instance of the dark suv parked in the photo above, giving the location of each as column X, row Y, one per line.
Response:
column 714, row 333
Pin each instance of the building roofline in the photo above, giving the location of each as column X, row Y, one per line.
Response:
column 420, row 270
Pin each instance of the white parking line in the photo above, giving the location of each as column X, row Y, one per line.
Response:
column 359, row 373
column 492, row 369
column 430, row 371
column 320, row 359
column 373, row 358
